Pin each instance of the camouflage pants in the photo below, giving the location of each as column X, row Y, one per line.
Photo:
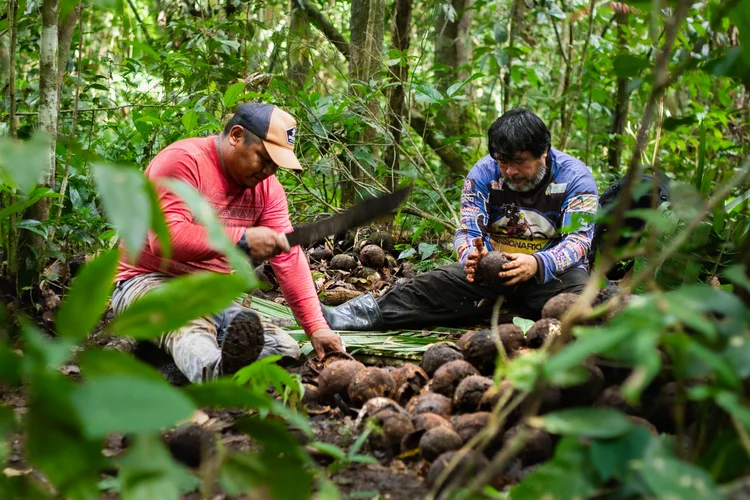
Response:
column 194, row 346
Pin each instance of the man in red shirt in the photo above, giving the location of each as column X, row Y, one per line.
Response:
column 235, row 173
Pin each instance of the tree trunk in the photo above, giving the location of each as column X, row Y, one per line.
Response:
column 452, row 64
column 12, row 238
column 67, row 28
column 298, row 55
column 47, row 110
column 620, row 117
column 400, row 26
column 516, row 27
column 365, row 60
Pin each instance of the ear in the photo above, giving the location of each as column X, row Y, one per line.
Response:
column 236, row 135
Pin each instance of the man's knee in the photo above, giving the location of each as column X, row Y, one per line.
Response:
column 277, row 341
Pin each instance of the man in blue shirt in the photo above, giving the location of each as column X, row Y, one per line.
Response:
column 532, row 202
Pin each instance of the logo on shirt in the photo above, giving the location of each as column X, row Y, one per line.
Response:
column 290, row 133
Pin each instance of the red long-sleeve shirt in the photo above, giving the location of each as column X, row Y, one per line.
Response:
column 196, row 162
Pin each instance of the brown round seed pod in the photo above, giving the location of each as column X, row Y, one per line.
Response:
column 437, row 441
column 470, row 392
column 409, row 380
column 335, row 379
column 370, row 383
column 538, row 447
column 512, row 337
column 310, row 396
column 343, row 262
column 395, row 426
column 448, row 376
column 489, row 267
column 423, row 423
column 559, row 305
column 471, row 463
column 383, row 239
column 467, row 426
column 438, row 354
column 611, row 397
column 372, row 256
column 493, row 394
column 586, row 392
column 320, row 253
column 480, row 349
column 190, row 444
column 430, row 402
column 542, row 329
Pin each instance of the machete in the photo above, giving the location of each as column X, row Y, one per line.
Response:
column 361, row 213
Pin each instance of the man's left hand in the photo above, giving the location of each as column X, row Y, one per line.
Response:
column 522, row 267
column 324, row 341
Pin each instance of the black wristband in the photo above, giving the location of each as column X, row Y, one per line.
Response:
column 242, row 244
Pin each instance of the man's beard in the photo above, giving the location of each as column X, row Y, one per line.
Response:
column 530, row 185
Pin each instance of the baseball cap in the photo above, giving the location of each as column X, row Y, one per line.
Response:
column 276, row 128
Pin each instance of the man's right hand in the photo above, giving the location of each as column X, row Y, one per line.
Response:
column 264, row 243
column 472, row 260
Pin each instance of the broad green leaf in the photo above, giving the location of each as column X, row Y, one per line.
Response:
column 590, row 341
column 224, row 393
column 159, row 223
column 42, row 351
column 233, row 94
column 329, row 449
column 565, row 477
column 602, row 423
column 126, row 202
column 87, row 299
column 428, row 94
column 272, row 435
column 731, row 403
column 21, row 205
column 216, row 234
column 147, row 472
column 265, row 372
column 101, row 362
column 6, row 424
column 611, row 457
column 241, row 473
column 524, row 370
column 190, row 121
column 669, row 477
column 22, row 164
column 10, row 365
column 128, row 404
column 176, row 302
column 737, row 274
column 628, row 65
column 740, row 17
column 145, row 48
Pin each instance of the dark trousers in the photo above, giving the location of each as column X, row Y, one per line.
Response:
column 443, row 297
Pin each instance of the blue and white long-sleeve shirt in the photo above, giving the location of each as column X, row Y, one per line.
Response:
column 516, row 222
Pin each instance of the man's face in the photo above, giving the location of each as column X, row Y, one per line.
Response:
column 524, row 172
column 247, row 164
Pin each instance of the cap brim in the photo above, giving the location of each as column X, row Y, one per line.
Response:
column 283, row 157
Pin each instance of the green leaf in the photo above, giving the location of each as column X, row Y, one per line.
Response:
column 88, row 298
column 224, row 393
column 740, row 17
column 428, row 94
column 524, row 370
column 565, row 477
column 145, row 48
column 10, row 364
column 612, row 457
column 120, row 403
column 603, row 423
column 273, row 435
column 22, row 164
column 672, row 122
column 176, row 302
column 100, row 362
column 523, row 323
column 590, row 341
column 21, row 205
column 329, row 449
column 216, row 233
column 731, row 403
column 6, row 425
column 159, row 223
column 233, row 94
column 42, row 351
column 628, row 65
column 668, row 477
column 737, row 275
column 126, row 202
column 190, row 121
column 265, row 372
column 148, row 472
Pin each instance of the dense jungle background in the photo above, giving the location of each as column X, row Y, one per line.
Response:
column 640, row 393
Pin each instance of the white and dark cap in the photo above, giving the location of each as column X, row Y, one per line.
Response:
column 276, row 128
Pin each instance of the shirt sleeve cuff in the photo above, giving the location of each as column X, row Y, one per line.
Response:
column 539, row 268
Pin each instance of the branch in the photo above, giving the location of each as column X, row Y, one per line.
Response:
column 140, row 22
column 559, row 41
column 329, row 30
column 409, row 210
column 113, row 108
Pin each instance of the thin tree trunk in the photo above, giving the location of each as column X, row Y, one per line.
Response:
column 47, row 110
column 452, row 61
column 298, row 55
column 400, row 26
column 12, row 237
column 516, row 26
column 620, row 117
column 365, row 60
column 65, row 38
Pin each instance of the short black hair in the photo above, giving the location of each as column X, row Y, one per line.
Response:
column 250, row 138
column 515, row 132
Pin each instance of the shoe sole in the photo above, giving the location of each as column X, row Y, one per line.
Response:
column 243, row 342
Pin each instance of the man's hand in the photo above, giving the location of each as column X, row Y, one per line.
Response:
column 522, row 267
column 264, row 243
column 326, row 340
column 472, row 260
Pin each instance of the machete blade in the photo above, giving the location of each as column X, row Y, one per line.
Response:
column 361, row 213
